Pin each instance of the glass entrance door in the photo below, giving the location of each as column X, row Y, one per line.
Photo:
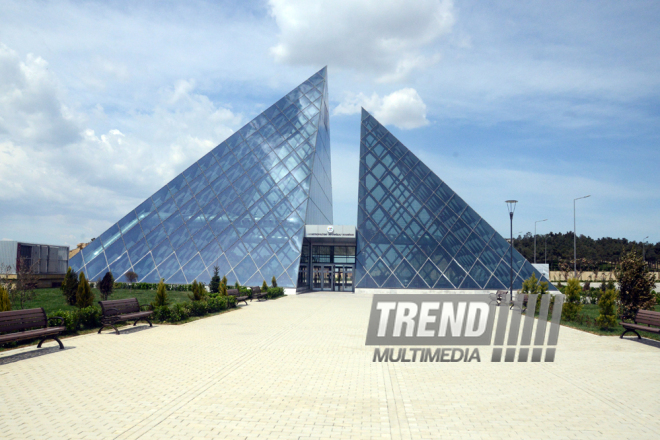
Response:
column 348, row 276
column 339, row 278
column 317, row 281
column 327, row 277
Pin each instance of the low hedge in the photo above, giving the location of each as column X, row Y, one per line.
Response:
column 90, row 317
column 154, row 286
column 275, row 292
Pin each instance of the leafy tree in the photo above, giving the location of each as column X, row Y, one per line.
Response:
column 607, row 306
column 237, row 286
column 84, row 295
column 264, row 287
column 70, row 287
column 214, row 287
column 26, row 283
column 572, row 306
column 273, row 282
column 223, row 286
column 161, row 295
column 106, row 285
column 131, row 277
column 5, row 304
column 635, row 284
column 198, row 291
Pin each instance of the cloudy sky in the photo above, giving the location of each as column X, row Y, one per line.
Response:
column 102, row 103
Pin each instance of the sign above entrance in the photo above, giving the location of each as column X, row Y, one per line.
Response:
column 343, row 231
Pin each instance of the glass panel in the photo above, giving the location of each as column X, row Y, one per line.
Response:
column 130, row 238
column 97, row 266
column 180, row 236
column 127, row 222
column 480, row 274
column 198, row 184
column 245, row 269
column 110, row 236
column 173, row 223
column 236, row 253
column 144, row 266
column 454, row 273
column 120, row 267
column 93, row 249
column 161, row 252
column 177, row 278
column 205, row 196
column 194, row 268
column 150, row 222
column 465, row 258
column 186, row 252
column 227, row 238
column 203, row 237
column 167, row 209
column 114, row 250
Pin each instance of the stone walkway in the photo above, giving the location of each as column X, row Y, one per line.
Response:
column 297, row 368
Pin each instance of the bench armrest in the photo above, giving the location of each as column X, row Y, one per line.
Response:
column 57, row 317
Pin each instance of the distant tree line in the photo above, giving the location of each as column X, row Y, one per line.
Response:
column 605, row 252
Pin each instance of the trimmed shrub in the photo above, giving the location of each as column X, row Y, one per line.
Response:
column 5, row 304
column 214, row 286
column 275, row 292
column 69, row 287
column 161, row 299
column 264, row 287
column 198, row 308
column 179, row 312
column 161, row 313
column 607, row 306
column 198, row 291
column 635, row 284
column 71, row 319
column 106, row 285
column 223, row 286
column 217, row 304
column 273, row 282
column 84, row 295
column 89, row 317
column 572, row 307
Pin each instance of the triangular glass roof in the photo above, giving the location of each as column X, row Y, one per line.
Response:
column 415, row 232
column 241, row 207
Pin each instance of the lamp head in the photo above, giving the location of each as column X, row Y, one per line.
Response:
column 511, row 205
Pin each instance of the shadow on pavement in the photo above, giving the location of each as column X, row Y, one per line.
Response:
column 32, row 354
column 126, row 330
column 645, row 341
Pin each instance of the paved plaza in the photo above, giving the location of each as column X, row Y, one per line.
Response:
column 298, row 368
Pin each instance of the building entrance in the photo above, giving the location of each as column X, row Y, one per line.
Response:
column 327, row 260
column 333, row 277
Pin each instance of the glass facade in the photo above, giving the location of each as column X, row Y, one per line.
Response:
column 242, row 207
column 414, row 232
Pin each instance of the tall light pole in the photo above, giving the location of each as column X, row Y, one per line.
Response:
column 538, row 221
column 575, row 238
column 511, row 206
column 644, row 243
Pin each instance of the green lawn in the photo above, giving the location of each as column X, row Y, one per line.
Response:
column 52, row 299
column 587, row 322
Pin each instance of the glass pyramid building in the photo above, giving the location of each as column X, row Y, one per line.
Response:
column 241, row 207
column 414, row 232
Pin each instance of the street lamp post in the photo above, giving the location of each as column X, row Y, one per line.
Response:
column 511, row 206
column 643, row 250
column 575, row 238
column 538, row 221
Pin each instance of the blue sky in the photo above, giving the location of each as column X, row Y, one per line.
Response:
column 101, row 103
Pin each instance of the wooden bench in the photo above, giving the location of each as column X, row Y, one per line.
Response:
column 29, row 324
column 238, row 295
column 120, row 310
column 258, row 294
column 647, row 317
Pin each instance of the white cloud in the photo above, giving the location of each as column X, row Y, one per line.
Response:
column 403, row 108
column 30, row 102
column 390, row 37
column 95, row 175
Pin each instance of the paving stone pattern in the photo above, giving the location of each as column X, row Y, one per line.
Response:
column 297, row 368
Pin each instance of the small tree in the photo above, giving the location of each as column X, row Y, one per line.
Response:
column 131, row 277
column 607, row 306
column 198, row 291
column 635, row 284
column 214, row 286
column 161, row 295
column 237, row 286
column 70, row 287
column 223, row 286
column 273, row 282
column 572, row 306
column 106, row 285
column 26, row 283
column 264, row 287
column 84, row 295
column 5, row 304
